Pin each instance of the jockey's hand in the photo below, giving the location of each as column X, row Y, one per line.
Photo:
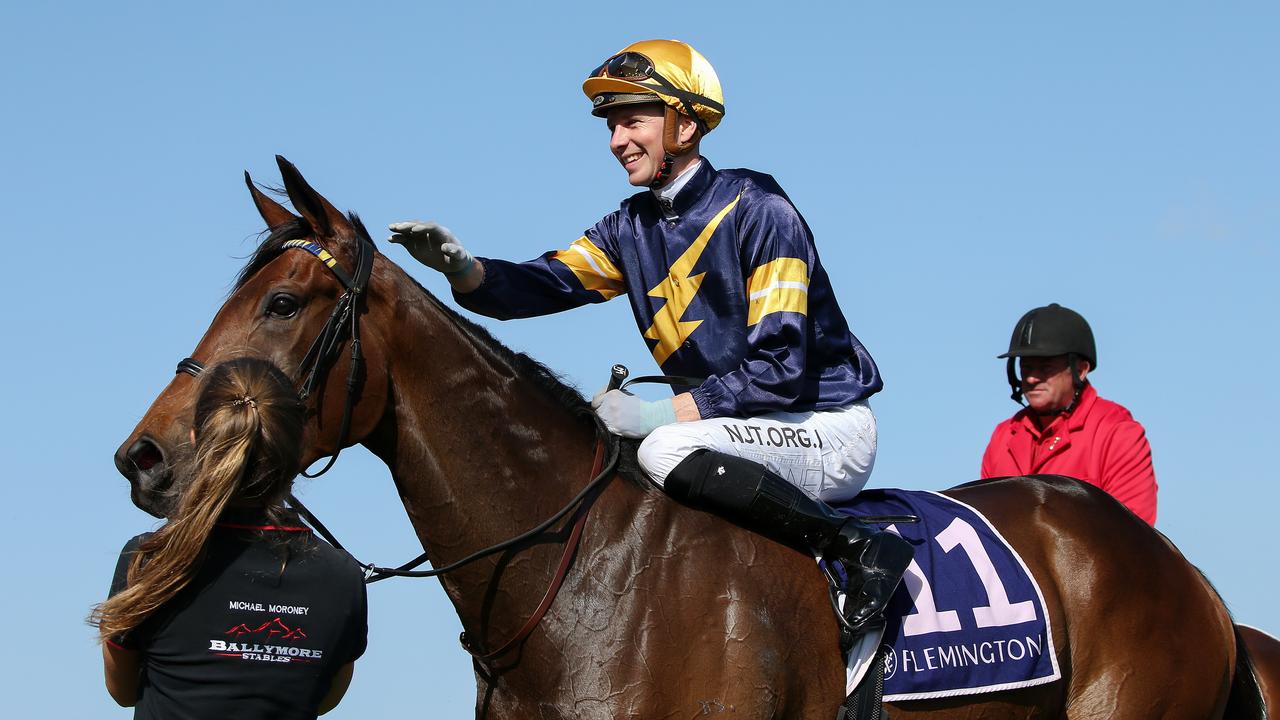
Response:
column 432, row 245
column 627, row 415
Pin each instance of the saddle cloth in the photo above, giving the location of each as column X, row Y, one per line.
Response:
column 968, row 617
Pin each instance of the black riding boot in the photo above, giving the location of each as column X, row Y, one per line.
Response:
column 748, row 494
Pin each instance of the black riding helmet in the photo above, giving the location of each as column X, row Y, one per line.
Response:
column 1050, row 331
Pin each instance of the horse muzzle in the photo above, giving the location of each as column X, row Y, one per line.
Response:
column 148, row 469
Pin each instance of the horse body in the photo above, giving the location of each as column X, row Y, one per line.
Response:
column 666, row 612
column 1264, row 653
column 1128, row 611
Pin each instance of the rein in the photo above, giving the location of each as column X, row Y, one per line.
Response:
column 607, row 451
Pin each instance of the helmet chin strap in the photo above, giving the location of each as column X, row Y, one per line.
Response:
column 663, row 174
column 1014, row 383
column 1077, row 382
column 672, row 148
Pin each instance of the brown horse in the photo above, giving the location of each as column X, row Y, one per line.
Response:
column 1264, row 653
column 483, row 442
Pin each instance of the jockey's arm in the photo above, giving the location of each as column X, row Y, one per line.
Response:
column 468, row 280
column 553, row 282
column 686, row 408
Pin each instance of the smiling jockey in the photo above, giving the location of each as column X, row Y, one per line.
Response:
column 725, row 283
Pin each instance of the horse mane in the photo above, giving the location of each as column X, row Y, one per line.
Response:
column 534, row 371
column 525, row 367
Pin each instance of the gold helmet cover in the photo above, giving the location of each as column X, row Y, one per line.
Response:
column 678, row 75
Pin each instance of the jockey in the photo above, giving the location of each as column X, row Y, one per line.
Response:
column 1066, row 428
column 725, row 284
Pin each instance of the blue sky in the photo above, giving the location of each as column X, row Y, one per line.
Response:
column 958, row 163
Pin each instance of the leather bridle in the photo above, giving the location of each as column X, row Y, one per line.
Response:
column 344, row 322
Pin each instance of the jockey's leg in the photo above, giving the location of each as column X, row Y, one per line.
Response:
column 767, row 474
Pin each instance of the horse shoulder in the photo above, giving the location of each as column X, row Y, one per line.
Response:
column 745, row 617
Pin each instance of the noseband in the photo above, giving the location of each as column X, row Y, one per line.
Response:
column 343, row 322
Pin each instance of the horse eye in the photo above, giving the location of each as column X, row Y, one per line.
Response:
column 283, row 306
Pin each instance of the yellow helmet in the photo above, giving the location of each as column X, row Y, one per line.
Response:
column 679, row 76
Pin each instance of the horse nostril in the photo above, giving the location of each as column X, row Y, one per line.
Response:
column 144, row 454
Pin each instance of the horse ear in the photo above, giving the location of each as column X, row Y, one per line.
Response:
column 324, row 217
column 273, row 212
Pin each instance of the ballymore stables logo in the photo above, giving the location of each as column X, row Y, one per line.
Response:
column 264, row 644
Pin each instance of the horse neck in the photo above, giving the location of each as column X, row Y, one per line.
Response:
column 479, row 451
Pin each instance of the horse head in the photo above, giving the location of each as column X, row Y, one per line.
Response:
column 281, row 303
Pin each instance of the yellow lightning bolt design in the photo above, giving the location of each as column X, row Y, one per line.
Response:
column 679, row 288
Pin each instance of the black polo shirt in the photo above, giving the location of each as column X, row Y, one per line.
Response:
column 260, row 631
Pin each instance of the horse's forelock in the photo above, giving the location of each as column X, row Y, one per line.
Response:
column 273, row 240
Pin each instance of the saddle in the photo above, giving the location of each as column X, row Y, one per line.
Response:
column 968, row 617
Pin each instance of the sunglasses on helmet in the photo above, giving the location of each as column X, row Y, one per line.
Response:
column 627, row 66
column 635, row 67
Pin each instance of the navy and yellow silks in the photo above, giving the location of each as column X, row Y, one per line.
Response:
column 732, row 290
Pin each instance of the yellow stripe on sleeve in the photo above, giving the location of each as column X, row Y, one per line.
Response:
column 781, row 285
column 592, row 267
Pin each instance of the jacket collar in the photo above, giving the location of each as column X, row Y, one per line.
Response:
column 1073, row 422
column 244, row 516
column 667, row 194
column 250, row 518
column 695, row 188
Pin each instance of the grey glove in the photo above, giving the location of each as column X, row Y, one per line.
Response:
column 629, row 416
column 432, row 245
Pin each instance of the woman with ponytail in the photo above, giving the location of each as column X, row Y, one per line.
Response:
column 233, row 608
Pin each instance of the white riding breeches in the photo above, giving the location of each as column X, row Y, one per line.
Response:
column 827, row 453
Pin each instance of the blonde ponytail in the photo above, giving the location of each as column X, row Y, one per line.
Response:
column 248, row 425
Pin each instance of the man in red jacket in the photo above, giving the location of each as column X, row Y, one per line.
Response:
column 1066, row 428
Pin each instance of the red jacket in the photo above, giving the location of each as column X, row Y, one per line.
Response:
column 1099, row 442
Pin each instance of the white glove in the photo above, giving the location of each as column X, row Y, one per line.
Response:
column 627, row 415
column 432, row 245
